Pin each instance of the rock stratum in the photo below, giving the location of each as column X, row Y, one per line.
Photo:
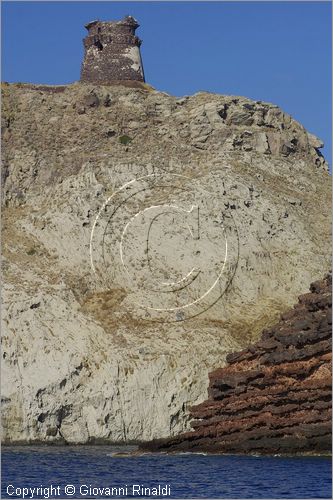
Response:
column 99, row 344
column 274, row 396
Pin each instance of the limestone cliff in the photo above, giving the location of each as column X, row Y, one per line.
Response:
column 276, row 395
column 87, row 353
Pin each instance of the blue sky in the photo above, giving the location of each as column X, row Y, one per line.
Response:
column 272, row 51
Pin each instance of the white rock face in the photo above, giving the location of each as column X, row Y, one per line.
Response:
column 108, row 332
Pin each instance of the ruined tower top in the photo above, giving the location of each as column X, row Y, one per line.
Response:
column 112, row 52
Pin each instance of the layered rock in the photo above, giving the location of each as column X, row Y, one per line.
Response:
column 274, row 396
column 81, row 361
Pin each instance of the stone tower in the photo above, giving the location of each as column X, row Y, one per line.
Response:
column 112, row 52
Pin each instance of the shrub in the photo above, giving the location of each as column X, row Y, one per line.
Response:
column 125, row 139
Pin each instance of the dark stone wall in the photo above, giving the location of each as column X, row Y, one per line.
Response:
column 112, row 52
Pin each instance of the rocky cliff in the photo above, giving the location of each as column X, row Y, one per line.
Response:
column 104, row 336
column 274, row 396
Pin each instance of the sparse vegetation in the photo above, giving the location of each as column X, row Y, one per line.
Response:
column 125, row 139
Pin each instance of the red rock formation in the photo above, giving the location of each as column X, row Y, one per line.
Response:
column 274, row 396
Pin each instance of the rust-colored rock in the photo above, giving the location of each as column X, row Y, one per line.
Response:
column 274, row 396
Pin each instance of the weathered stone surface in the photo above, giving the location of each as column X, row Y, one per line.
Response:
column 81, row 357
column 274, row 403
column 112, row 52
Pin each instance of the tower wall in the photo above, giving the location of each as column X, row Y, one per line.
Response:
column 112, row 52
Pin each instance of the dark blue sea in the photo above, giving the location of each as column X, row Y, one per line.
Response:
column 92, row 472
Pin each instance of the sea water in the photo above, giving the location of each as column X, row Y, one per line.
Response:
column 97, row 472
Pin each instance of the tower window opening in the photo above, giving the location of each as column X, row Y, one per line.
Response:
column 99, row 45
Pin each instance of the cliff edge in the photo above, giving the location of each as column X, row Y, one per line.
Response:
column 87, row 354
